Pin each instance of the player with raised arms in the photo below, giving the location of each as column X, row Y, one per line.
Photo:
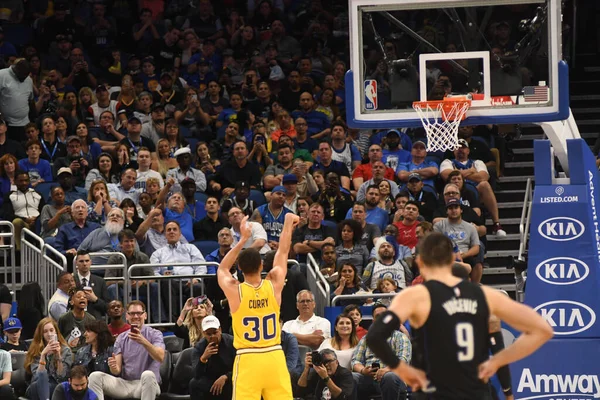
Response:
column 259, row 368
column 450, row 316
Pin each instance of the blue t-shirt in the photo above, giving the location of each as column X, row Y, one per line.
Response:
column 410, row 166
column 273, row 225
column 185, row 222
column 393, row 158
column 316, row 120
column 377, row 216
column 309, row 144
column 41, row 170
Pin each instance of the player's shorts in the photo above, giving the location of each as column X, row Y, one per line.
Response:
column 261, row 372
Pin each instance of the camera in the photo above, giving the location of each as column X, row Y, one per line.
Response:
column 316, row 358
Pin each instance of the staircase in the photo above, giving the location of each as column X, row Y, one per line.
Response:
column 585, row 105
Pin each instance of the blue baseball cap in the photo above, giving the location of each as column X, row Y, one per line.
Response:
column 279, row 188
column 12, row 323
column 289, row 178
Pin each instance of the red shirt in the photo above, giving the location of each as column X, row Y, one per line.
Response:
column 117, row 332
column 366, row 172
column 360, row 332
column 407, row 234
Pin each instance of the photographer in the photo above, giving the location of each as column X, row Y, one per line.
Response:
column 327, row 380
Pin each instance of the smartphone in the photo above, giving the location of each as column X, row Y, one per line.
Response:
column 374, row 366
column 260, row 139
column 194, row 97
column 199, row 300
column 248, row 80
column 87, row 288
column 135, row 329
column 53, row 337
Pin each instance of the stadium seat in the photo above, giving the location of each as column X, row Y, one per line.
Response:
column 44, row 189
column 192, row 143
column 19, row 382
column 199, row 196
column 302, row 350
column 18, row 360
column 328, row 223
column 182, row 375
column 206, row 246
column 258, row 197
column 165, row 370
column 173, row 344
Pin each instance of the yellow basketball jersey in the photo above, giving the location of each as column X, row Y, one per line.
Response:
column 256, row 321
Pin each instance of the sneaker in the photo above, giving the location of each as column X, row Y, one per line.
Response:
column 498, row 231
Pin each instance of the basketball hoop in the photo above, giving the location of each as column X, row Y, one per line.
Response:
column 441, row 119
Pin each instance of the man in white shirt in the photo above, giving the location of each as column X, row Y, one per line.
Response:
column 125, row 189
column 309, row 329
column 185, row 170
column 58, row 303
column 259, row 235
column 144, row 159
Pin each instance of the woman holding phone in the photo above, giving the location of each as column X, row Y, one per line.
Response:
column 48, row 360
column 189, row 323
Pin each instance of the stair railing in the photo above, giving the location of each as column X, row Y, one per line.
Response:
column 525, row 220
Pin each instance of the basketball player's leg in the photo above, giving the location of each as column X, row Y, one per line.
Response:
column 277, row 381
column 246, row 378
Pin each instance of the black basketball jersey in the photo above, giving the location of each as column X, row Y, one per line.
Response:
column 453, row 341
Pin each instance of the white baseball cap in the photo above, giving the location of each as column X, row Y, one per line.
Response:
column 210, row 322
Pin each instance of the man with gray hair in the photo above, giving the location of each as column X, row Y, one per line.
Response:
column 105, row 239
column 325, row 377
column 310, row 330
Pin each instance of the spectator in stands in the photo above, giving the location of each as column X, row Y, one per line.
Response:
column 98, row 347
column 240, row 200
column 8, row 170
column 259, row 235
column 328, row 266
column 151, row 233
column 370, row 232
column 74, row 160
column 328, row 378
column 428, row 170
column 302, row 141
column 348, row 282
column 17, row 98
column 394, row 155
column 468, row 197
column 379, row 380
column 125, row 189
column 344, row 340
column 76, row 387
column 135, row 142
column 318, row 122
column 39, row 169
column 6, row 390
column 209, row 227
column 94, row 287
column 290, row 183
column 378, row 174
column 335, row 203
column 105, row 170
column 54, row 215
column 374, row 214
column 51, row 146
column 235, row 170
column 310, row 330
column 407, row 226
column 426, row 200
column 274, row 173
column 327, row 164
column 476, row 172
column 311, row 237
column 469, row 214
column 272, row 215
column 144, row 159
column 386, row 264
column 31, row 308
column 105, row 239
column 346, row 153
column 70, row 235
column 364, row 172
column 116, row 325
column 353, row 311
column 302, row 154
column 349, row 249
column 13, row 329
column 212, row 360
column 189, row 324
column 10, row 146
column 192, row 206
column 72, row 323
column 135, row 364
column 22, row 207
column 132, row 219
column 225, row 239
column 185, row 170
column 175, row 210
column 48, row 360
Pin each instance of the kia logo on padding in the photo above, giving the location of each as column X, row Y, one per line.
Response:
column 567, row 317
column 562, row 271
column 561, row 229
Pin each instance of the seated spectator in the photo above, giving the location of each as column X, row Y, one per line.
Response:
column 192, row 206
column 349, row 249
column 327, row 164
column 212, row 360
column 116, row 326
column 31, row 308
column 9, row 146
column 289, row 345
column 310, row 330
column 132, row 219
column 8, row 170
column 335, row 203
column 13, row 343
column 469, row 214
column 370, row 232
column 467, row 197
column 144, row 159
column 235, row 170
column 51, row 146
column 344, row 340
column 105, row 170
column 311, row 237
column 407, row 226
column 208, row 227
column 48, row 360
column 428, row 170
column 426, row 200
column 386, row 285
column 225, row 239
column 70, row 235
column 189, row 324
column 185, row 170
column 134, row 141
column 272, row 215
column 54, row 215
column 66, row 182
column 164, row 160
column 386, row 201
column 105, row 239
column 151, row 233
column 371, row 375
column 145, row 204
column 94, row 286
column 297, row 154
column 328, row 378
column 135, row 364
column 259, row 235
column 22, row 206
column 377, row 174
column 374, row 214
column 302, row 141
column 125, row 189
column 328, row 265
column 364, row 172
column 353, row 311
column 387, row 263
column 76, row 386
column 97, row 347
column 59, row 302
column 74, row 160
column 175, row 210
column 39, row 170
column 72, row 323
column 474, row 171
column 6, row 390
column 394, row 155
column 348, row 282
column 318, row 122
column 298, row 184
column 274, row 173
column 239, row 199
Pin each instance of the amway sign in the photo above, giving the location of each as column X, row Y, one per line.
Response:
column 562, row 271
column 557, row 386
column 567, row 317
column 561, row 229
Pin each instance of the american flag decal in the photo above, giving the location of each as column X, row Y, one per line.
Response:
column 535, row 93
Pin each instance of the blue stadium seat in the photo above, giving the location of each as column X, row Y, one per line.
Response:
column 185, row 132
column 258, row 197
column 199, row 196
column 206, row 246
column 44, row 189
column 192, row 142
column 329, row 223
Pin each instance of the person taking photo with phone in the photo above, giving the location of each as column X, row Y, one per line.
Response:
column 189, row 324
column 324, row 377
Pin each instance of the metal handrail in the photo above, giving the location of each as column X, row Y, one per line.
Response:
column 320, row 284
column 122, row 266
column 525, row 219
column 361, row 296
column 4, row 248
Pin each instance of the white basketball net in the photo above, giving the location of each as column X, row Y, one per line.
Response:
column 441, row 122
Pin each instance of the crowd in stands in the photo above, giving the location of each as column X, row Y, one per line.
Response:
column 152, row 128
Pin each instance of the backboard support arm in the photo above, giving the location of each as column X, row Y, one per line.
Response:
column 558, row 132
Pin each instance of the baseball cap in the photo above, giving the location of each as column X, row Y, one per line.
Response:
column 12, row 323
column 423, row 141
column 188, row 181
column 463, row 143
column 64, row 170
column 393, row 132
column 279, row 188
column 133, row 118
column 453, row 202
column 158, row 106
column 101, row 88
column 182, row 151
column 242, row 185
column 210, row 322
column 414, row 175
column 73, row 138
column 165, row 74
column 289, row 178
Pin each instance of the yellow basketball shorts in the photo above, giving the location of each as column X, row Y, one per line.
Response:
column 261, row 372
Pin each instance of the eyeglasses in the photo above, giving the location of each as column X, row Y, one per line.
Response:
column 304, row 301
column 451, row 194
column 136, row 313
column 301, row 124
column 327, row 362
